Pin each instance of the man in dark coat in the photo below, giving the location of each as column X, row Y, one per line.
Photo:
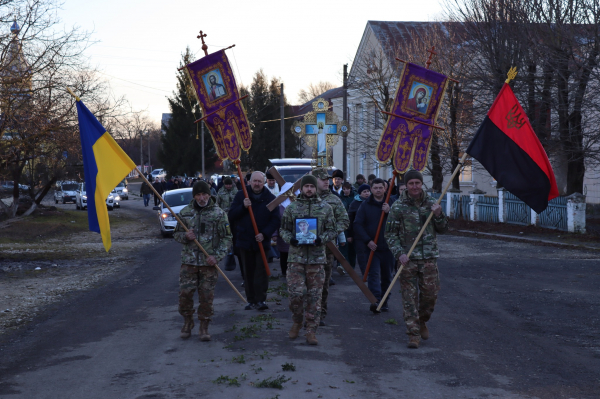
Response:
column 365, row 228
column 256, row 281
column 159, row 188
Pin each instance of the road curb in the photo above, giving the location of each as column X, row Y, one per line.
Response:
column 530, row 240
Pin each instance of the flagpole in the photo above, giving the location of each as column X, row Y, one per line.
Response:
column 387, row 293
column 178, row 220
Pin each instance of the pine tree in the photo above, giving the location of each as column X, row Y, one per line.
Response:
column 263, row 108
column 181, row 151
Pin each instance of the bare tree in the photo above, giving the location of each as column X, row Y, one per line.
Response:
column 314, row 90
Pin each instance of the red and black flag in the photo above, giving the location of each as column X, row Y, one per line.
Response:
column 507, row 147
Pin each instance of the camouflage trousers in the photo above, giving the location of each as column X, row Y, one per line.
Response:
column 328, row 270
column 305, row 286
column 203, row 279
column 420, row 283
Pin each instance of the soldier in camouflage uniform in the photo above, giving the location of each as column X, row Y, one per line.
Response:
column 342, row 221
column 305, row 272
column 419, row 279
column 226, row 194
column 207, row 223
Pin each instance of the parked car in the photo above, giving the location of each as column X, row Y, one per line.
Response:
column 121, row 189
column 112, row 201
column 160, row 173
column 65, row 192
column 292, row 169
column 177, row 200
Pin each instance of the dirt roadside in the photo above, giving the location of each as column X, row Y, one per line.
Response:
column 47, row 257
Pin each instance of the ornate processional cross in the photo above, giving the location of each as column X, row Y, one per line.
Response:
column 321, row 130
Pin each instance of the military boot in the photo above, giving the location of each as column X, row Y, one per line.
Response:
column 204, row 336
column 188, row 325
column 295, row 330
column 413, row 341
column 311, row 339
column 424, row 331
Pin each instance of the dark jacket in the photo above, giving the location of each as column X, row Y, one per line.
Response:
column 266, row 220
column 158, row 187
column 366, row 222
column 282, row 246
column 347, row 200
column 352, row 209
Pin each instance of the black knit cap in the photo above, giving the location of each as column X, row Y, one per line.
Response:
column 413, row 174
column 201, row 187
column 308, row 179
column 227, row 180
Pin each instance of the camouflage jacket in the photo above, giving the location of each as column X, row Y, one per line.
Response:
column 405, row 220
column 303, row 208
column 225, row 197
column 342, row 221
column 212, row 230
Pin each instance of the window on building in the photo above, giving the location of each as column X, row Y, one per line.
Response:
column 363, row 158
column 466, row 173
column 376, row 168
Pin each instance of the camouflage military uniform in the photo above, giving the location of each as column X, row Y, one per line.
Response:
column 342, row 221
column 305, row 273
column 419, row 279
column 212, row 231
column 225, row 197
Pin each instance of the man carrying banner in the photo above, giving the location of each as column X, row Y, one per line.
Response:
column 207, row 223
column 306, row 264
column 419, row 279
column 341, row 221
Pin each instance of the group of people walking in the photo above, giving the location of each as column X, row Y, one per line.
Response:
column 329, row 213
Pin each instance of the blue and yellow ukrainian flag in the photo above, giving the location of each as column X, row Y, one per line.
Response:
column 105, row 164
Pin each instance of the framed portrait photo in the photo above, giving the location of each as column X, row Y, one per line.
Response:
column 306, row 230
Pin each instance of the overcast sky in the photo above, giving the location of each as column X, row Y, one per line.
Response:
column 140, row 42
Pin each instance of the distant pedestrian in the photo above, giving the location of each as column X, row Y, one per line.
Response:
column 364, row 192
column 159, row 188
column 360, row 180
column 145, row 192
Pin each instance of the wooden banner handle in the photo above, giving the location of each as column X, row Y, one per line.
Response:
column 460, row 163
column 256, row 232
column 387, row 201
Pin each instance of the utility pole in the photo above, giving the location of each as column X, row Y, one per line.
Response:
column 141, row 153
column 149, row 162
column 202, row 128
column 345, row 117
column 282, row 122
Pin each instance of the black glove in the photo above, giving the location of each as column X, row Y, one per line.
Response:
column 318, row 241
column 294, row 242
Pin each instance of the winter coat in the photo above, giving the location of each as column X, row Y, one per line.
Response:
column 313, row 207
column 352, row 209
column 405, row 220
column 212, row 231
column 266, row 221
column 342, row 222
column 366, row 222
column 225, row 197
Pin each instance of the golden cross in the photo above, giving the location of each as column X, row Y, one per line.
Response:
column 201, row 36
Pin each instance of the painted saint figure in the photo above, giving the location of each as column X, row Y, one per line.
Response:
column 418, row 102
column 216, row 90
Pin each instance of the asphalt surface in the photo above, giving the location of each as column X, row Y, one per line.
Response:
column 513, row 320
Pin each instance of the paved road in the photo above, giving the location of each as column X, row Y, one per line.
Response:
column 513, row 321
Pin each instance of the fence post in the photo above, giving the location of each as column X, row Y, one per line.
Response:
column 475, row 195
column 535, row 218
column 501, row 206
column 450, row 202
column 576, row 213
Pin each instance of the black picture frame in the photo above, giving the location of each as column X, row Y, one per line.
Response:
column 309, row 234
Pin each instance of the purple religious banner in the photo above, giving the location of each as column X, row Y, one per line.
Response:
column 406, row 141
column 218, row 96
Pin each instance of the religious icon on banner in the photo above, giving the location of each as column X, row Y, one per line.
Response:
column 406, row 137
column 219, row 98
column 321, row 130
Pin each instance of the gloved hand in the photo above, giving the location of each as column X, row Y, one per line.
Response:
column 294, row 242
column 318, row 241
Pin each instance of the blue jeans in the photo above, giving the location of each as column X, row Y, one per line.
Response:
column 380, row 273
column 146, row 199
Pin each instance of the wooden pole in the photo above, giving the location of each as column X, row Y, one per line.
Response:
column 460, row 163
column 256, row 232
column 178, row 220
column 387, row 200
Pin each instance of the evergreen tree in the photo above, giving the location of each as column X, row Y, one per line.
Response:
column 262, row 106
column 181, row 151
